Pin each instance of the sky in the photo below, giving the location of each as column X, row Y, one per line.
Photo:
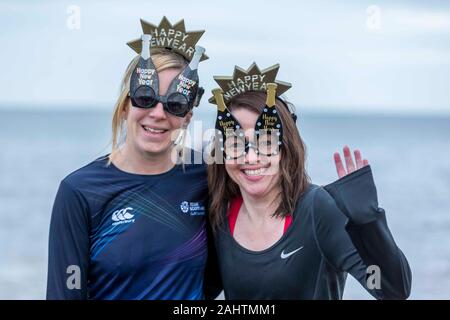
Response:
column 340, row 56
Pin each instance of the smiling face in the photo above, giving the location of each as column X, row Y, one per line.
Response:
column 256, row 175
column 151, row 130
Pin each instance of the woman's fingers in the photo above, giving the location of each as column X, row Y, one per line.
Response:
column 349, row 160
column 350, row 164
column 358, row 159
column 339, row 165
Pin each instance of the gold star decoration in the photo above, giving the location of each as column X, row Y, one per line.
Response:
column 172, row 37
column 252, row 79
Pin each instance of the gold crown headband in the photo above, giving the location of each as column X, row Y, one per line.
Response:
column 173, row 37
column 252, row 79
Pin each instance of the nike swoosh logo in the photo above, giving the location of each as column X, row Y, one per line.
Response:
column 287, row 255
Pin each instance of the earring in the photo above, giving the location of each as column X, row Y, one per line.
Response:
column 180, row 137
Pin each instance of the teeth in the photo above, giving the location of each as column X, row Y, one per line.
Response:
column 154, row 130
column 256, row 172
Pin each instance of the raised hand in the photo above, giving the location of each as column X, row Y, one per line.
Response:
column 350, row 164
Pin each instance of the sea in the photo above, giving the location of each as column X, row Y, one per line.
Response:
column 409, row 156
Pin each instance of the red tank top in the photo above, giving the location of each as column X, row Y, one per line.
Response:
column 235, row 206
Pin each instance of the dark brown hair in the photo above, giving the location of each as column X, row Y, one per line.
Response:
column 293, row 179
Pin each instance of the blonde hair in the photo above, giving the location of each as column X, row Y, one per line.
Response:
column 162, row 59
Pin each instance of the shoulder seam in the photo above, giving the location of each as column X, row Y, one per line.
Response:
column 85, row 166
column 313, row 221
column 82, row 197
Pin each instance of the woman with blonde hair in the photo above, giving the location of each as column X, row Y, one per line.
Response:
column 278, row 236
column 131, row 224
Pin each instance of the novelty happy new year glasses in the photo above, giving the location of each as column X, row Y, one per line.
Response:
column 268, row 127
column 184, row 92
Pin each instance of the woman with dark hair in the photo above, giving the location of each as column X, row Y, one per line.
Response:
column 278, row 236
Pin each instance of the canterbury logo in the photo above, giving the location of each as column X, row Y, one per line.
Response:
column 122, row 214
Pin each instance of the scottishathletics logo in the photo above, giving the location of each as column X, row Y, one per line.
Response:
column 184, row 206
column 193, row 208
column 122, row 216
